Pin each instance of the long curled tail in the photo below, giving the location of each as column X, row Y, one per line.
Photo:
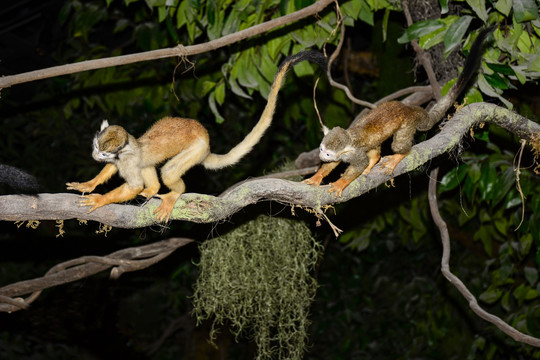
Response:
column 18, row 180
column 215, row 161
column 469, row 69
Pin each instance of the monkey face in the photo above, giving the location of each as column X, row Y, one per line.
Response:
column 335, row 145
column 326, row 155
column 109, row 142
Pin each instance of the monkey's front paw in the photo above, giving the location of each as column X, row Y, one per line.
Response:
column 314, row 180
column 85, row 187
column 93, row 200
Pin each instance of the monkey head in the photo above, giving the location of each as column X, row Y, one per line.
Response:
column 109, row 142
column 336, row 145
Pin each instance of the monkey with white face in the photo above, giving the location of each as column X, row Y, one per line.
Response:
column 360, row 144
column 176, row 142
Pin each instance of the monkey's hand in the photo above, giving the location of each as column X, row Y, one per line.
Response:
column 94, row 201
column 85, row 187
column 314, row 180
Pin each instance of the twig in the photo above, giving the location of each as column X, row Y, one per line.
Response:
column 517, row 170
column 454, row 280
column 122, row 261
column 334, row 55
column 423, row 56
column 406, row 91
column 179, row 50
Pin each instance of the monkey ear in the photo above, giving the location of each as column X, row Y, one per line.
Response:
column 325, row 130
column 104, row 125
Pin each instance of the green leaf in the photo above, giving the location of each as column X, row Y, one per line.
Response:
column 496, row 81
column 533, row 321
column 501, row 68
column 181, row 18
column 491, row 295
column 214, row 109
column 483, row 234
column 503, row 184
column 444, row 6
column 525, row 244
column 531, row 274
column 489, row 90
column 455, row 33
column 207, row 86
column 488, row 181
column 479, row 7
column 504, row 6
column 419, row 29
column 453, row 178
column 525, row 10
column 505, row 301
column 501, row 224
column 429, row 40
column 162, row 13
column 220, row 93
column 525, row 292
column 236, row 89
column 473, row 95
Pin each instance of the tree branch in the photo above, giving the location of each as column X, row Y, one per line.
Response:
column 454, row 280
column 122, row 261
column 203, row 208
column 180, row 50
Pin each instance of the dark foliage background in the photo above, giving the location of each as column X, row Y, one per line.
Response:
column 381, row 294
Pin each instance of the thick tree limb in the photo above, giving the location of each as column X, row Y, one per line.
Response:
column 122, row 261
column 179, row 50
column 454, row 280
column 202, row 208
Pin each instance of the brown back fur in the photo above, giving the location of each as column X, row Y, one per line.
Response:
column 382, row 122
column 168, row 137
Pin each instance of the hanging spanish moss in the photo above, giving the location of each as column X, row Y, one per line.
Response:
column 257, row 279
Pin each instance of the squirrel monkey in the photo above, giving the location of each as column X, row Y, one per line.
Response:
column 182, row 143
column 360, row 144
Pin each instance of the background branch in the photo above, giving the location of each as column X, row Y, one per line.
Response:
column 179, row 50
column 122, row 261
column 454, row 280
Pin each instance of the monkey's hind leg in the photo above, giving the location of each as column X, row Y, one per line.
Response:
column 401, row 146
column 171, row 174
column 151, row 182
column 374, row 156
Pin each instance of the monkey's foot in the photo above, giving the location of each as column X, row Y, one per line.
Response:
column 94, row 201
column 390, row 162
column 164, row 210
column 86, row 187
column 148, row 192
column 314, row 180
